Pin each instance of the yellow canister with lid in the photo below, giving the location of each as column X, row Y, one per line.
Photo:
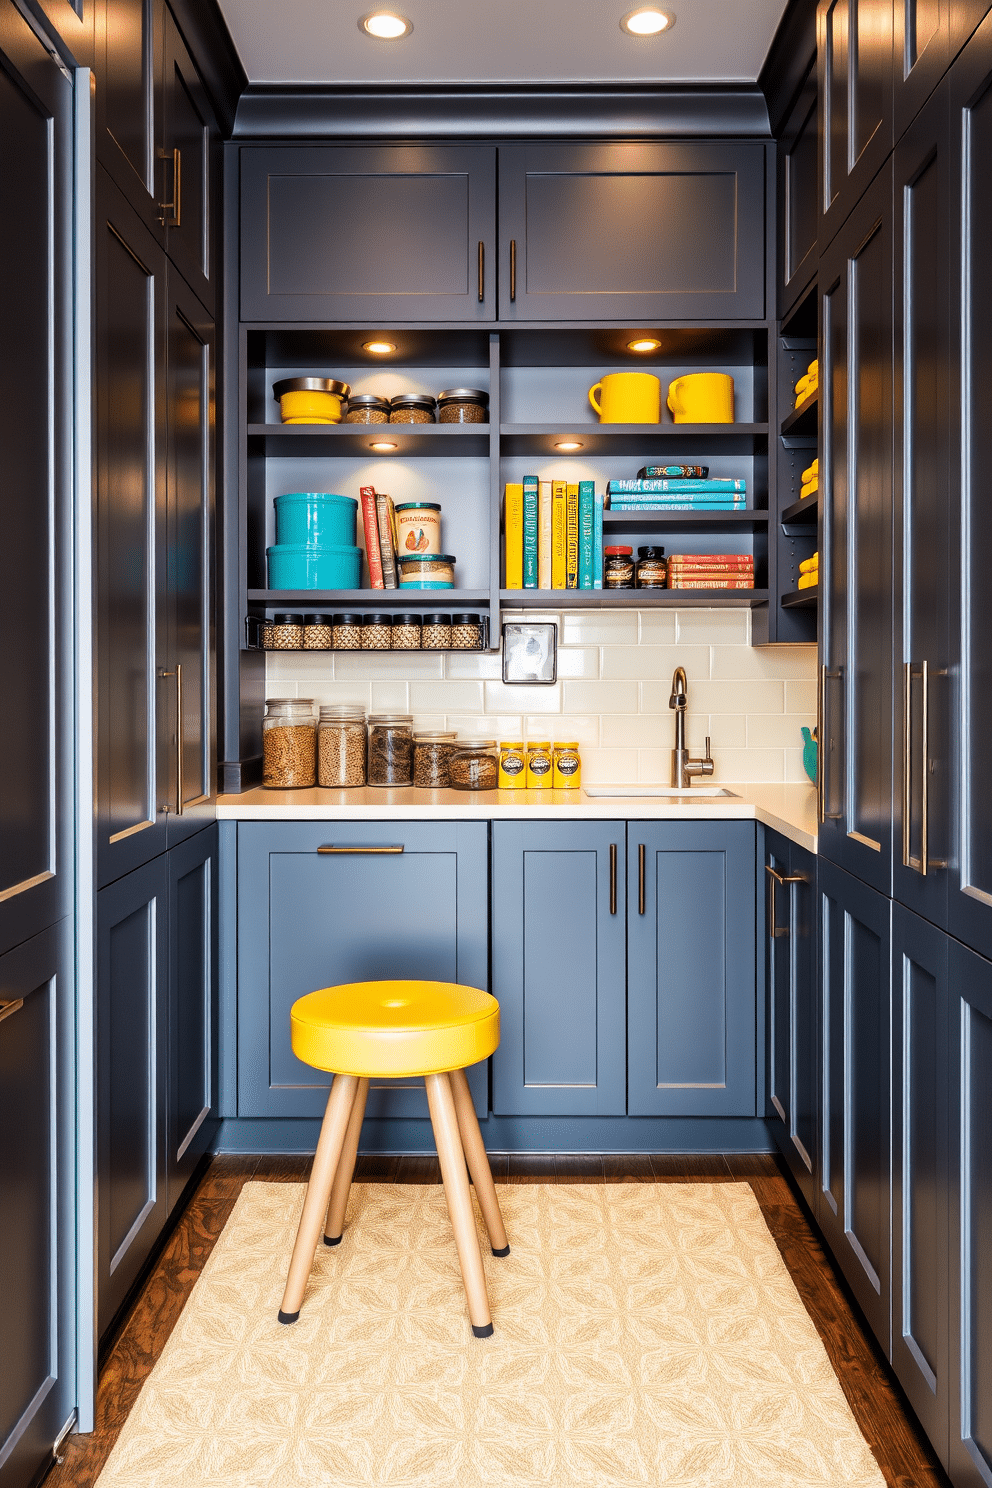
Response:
column 540, row 765
column 512, row 765
column 310, row 400
column 567, row 766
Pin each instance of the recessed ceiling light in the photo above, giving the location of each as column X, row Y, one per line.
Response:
column 568, row 444
column 383, row 444
column 647, row 21
column 379, row 348
column 643, row 343
column 385, row 25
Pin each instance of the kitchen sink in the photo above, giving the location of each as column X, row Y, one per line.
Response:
column 662, row 791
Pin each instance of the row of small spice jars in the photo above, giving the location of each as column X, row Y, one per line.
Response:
column 539, row 765
column 380, row 632
column 452, row 406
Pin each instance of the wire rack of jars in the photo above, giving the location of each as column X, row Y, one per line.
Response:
column 441, row 630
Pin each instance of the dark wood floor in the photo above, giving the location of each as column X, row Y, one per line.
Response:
column 902, row 1451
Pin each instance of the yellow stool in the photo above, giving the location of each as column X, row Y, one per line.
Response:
column 366, row 1030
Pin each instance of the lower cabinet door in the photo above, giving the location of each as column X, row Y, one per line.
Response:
column 793, row 1006
column 132, row 1005
column 855, row 1181
column 970, row 1445
column 36, row 1214
column 192, row 979
column 394, row 899
column 691, row 1004
column 559, row 972
column 920, row 1172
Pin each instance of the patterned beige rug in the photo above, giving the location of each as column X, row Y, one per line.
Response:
column 645, row 1334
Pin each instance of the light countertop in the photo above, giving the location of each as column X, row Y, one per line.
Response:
column 789, row 809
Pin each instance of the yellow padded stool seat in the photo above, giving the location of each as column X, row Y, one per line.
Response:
column 396, row 1028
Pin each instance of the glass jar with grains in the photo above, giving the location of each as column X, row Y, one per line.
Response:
column 463, row 406
column 466, row 632
column 318, row 633
column 412, row 408
column 287, row 633
column 377, row 632
column 367, row 408
column 431, row 758
column 475, row 766
column 289, row 744
column 347, row 632
column 341, row 745
column 406, row 633
column 390, row 749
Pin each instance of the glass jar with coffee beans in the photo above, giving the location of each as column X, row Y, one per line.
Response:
column 390, row 750
column 318, row 633
column 431, row 759
column 287, row 633
column 463, row 406
column 435, row 634
column 347, row 632
column 406, row 633
column 475, row 766
column 341, row 745
column 466, row 632
column 289, row 744
column 412, row 408
column 377, row 632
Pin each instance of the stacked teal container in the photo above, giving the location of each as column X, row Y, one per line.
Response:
column 315, row 542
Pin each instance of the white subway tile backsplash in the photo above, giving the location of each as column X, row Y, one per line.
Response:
column 643, row 731
column 657, row 627
column 748, row 766
column 389, row 666
column 390, row 697
column 714, row 627
column 654, row 661
column 578, row 661
column 609, row 767
column 584, row 729
column 800, row 697
column 728, row 696
column 654, row 766
column 598, row 628
column 764, row 661
column 486, row 666
column 600, row 697
column 795, row 773
column 729, row 730
column 447, row 697
column 775, row 730
column 525, row 697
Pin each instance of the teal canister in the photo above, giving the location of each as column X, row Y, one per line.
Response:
column 315, row 518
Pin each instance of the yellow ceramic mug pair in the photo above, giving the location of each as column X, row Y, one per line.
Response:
column 635, row 398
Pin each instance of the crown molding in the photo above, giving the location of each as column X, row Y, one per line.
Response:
column 790, row 58
column 205, row 33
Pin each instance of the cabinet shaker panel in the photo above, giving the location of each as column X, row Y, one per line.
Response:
column 793, row 1007
column 128, row 62
column 920, row 54
column 610, row 232
column 797, row 166
column 388, row 233
column 854, row 63
column 185, row 164
column 192, row 981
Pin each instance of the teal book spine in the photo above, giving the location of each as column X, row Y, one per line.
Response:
column 597, row 541
column 587, row 501
column 530, row 531
column 667, row 487
column 674, row 506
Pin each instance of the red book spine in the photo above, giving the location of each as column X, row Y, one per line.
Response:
column 711, row 560
column 711, row 583
column 370, row 521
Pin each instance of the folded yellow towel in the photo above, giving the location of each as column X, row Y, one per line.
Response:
column 811, row 471
column 809, row 581
column 813, row 370
column 810, row 565
column 809, row 489
column 802, row 385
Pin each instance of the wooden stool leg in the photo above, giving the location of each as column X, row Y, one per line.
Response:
column 332, row 1135
column 456, row 1191
column 478, row 1162
column 346, row 1169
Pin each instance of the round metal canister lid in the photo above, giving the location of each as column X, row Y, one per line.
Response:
column 466, row 620
column 347, row 620
column 425, row 558
column 285, row 619
column 368, row 400
column 419, row 506
column 437, row 619
column 413, row 400
column 463, row 395
column 651, row 552
column 310, row 385
column 377, row 619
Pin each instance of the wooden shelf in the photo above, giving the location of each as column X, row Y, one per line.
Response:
column 307, row 440
column 632, row 439
column 631, row 599
column 368, row 599
column 801, row 422
column 799, row 519
column 686, row 521
column 801, row 599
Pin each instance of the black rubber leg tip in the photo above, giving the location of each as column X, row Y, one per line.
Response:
column 288, row 1317
column 504, row 1252
column 335, row 1240
column 486, row 1331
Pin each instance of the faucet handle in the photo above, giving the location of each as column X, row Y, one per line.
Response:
column 707, row 761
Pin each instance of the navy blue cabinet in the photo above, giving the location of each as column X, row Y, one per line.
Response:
column 855, row 1183
column 793, row 1007
column 691, row 1006
column 920, row 1170
column 855, row 86
column 191, row 1118
column 325, row 903
column 970, row 1095
column 559, row 967
column 36, row 1183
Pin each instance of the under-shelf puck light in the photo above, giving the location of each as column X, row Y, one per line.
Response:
column 382, row 445
column 568, row 444
column 379, row 348
column 385, row 25
column 644, row 344
column 647, row 20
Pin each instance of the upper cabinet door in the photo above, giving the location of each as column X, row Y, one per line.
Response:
column 855, row 805
column 384, row 234
column 922, row 32
column 35, row 436
column 186, row 158
column 970, row 907
column 797, row 196
column 128, row 62
column 854, row 63
column 632, row 232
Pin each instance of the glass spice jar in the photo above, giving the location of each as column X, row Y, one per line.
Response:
column 431, row 759
column 466, row 633
column 475, row 766
column 412, row 408
column 435, row 634
column 318, row 633
column 406, row 633
column 463, row 406
column 618, row 571
column 367, row 408
column 652, row 570
column 566, row 766
column 390, row 749
column 377, row 632
column 287, row 633
column 512, row 765
column 289, row 744
column 268, row 627
column 347, row 633
column 540, row 763
column 341, row 745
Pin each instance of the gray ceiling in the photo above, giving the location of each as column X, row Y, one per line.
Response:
column 318, row 41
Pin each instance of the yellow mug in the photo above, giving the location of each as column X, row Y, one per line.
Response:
column 627, row 398
column 702, row 398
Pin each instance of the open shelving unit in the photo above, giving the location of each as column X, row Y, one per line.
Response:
column 797, row 523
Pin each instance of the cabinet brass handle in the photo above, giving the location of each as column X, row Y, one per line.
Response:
column 513, row 269
column 9, row 1008
column 613, row 878
column 824, row 747
column 925, row 791
column 180, row 791
column 393, row 848
column 482, row 271
column 175, row 206
column 641, row 886
column 774, row 933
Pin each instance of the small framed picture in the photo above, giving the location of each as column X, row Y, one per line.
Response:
column 530, row 652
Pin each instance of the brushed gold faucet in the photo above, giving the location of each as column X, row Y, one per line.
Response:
column 684, row 768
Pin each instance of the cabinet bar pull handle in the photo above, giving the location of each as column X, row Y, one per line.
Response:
column 482, row 271
column 613, row 878
column 513, row 269
column 641, row 886
column 180, row 792
column 907, row 756
column 175, row 206
column 823, row 749
column 9, row 1008
column 785, row 878
column 925, row 752
column 779, row 878
column 394, row 848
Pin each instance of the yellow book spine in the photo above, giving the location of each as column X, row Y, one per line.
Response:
column 557, row 534
column 544, row 535
column 572, row 537
column 513, row 523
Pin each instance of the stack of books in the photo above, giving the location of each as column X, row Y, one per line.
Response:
column 554, row 534
column 669, row 494
column 711, row 571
